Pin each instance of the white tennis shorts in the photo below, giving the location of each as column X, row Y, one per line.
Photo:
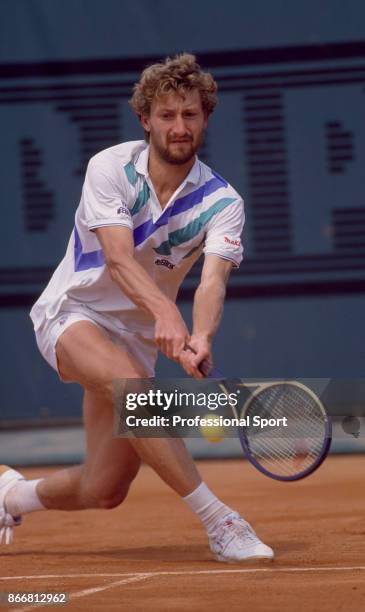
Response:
column 144, row 350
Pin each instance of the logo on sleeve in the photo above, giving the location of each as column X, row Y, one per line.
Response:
column 232, row 242
column 123, row 210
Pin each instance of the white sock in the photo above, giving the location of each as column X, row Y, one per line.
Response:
column 22, row 498
column 207, row 506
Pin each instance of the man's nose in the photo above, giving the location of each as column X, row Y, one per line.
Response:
column 179, row 127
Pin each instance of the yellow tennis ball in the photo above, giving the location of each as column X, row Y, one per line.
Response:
column 211, row 432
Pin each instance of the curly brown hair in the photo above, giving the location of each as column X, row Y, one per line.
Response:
column 176, row 74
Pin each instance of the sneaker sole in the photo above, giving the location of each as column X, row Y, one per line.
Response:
column 246, row 560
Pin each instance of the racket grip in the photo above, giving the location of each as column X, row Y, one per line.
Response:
column 205, row 367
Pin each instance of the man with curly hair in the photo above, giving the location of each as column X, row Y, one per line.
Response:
column 148, row 210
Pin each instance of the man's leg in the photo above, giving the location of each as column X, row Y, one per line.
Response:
column 109, row 468
column 86, row 356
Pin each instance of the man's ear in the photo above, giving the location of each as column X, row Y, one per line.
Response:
column 145, row 122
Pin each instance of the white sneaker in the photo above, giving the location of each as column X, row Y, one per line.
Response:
column 8, row 478
column 235, row 540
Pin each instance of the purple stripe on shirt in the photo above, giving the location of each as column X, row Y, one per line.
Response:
column 85, row 261
column 145, row 230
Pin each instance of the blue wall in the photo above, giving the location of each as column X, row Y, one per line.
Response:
column 288, row 133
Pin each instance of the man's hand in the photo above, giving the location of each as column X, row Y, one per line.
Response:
column 190, row 360
column 171, row 333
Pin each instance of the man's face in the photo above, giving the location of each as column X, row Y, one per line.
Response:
column 176, row 126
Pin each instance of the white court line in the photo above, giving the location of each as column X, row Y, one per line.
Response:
column 139, row 576
column 93, row 590
column 248, row 570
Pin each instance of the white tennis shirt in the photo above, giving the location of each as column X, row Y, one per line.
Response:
column 205, row 214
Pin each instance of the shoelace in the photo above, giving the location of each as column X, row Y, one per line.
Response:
column 241, row 528
column 233, row 526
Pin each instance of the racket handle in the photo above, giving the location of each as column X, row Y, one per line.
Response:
column 205, row 367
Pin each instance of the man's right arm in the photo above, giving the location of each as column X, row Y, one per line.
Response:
column 171, row 333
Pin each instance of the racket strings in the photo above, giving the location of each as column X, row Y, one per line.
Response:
column 286, row 450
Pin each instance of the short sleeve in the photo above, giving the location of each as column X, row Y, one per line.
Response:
column 103, row 197
column 224, row 231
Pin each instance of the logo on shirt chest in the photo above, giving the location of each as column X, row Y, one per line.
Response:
column 165, row 262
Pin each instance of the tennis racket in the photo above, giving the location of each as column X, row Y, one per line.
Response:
column 285, row 453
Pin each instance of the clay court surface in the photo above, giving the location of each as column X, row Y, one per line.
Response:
column 151, row 552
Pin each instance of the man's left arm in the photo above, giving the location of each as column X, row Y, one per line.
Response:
column 207, row 312
column 223, row 250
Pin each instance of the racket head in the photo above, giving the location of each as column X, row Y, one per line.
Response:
column 257, row 397
column 303, row 447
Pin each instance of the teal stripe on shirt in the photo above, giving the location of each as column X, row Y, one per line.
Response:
column 142, row 198
column 131, row 173
column 193, row 228
column 194, row 249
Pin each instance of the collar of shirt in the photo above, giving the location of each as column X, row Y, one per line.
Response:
column 141, row 166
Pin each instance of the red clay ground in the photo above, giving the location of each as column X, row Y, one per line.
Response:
column 151, row 552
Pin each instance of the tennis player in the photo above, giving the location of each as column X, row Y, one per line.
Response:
column 148, row 210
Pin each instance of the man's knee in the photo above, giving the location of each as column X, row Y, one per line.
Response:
column 102, row 388
column 111, row 499
column 104, row 493
column 95, row 496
